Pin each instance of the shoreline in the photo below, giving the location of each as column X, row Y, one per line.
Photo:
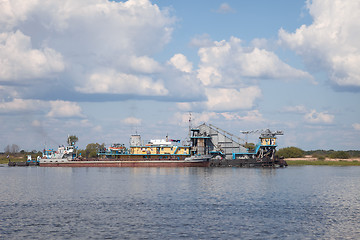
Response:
column 309, row 160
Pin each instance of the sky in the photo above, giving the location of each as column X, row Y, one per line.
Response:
column 103, row 70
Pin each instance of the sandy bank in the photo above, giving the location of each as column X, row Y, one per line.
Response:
column 311, row 158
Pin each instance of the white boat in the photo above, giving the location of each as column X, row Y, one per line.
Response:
column 63, row 154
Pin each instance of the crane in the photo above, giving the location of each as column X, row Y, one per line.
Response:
column 263, row 133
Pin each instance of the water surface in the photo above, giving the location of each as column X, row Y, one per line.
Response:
column 309, row 202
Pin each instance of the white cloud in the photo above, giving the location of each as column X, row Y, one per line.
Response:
column 331, row 42
column 224, row 99
column 13, row 12
column 144, row 64
column 18, row 60
column 180, row 62
column 21, row 106
column 317, row 118
column 356, row 126
column 229, row 63
column 225, row 8
column 55, row 109
column 69, row 40
column 64, row 109
column 132, row 121
column 251, row 116
column 110, row 81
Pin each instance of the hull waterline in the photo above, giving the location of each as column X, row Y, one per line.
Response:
column 127, row 164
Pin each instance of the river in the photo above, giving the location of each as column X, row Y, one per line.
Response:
column 307, row 202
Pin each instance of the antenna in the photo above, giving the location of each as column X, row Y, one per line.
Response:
column 189, row 133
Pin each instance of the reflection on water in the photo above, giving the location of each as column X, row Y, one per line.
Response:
column 166, row 203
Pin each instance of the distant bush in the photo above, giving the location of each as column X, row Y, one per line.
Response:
column 291, row 152
column 339, row 154
column 327, row 153
column 319, row 157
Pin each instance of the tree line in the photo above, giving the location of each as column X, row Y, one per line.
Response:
column 294, row 152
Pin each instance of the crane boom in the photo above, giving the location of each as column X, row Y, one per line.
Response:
column 227, row 133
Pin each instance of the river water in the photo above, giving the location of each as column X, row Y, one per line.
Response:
column 310, row 202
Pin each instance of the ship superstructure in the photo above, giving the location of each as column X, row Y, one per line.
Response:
column 155, row 148
column 227, row 149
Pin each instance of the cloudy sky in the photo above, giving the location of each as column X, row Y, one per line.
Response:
column 103, row 70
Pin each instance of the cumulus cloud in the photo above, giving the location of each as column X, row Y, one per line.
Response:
column 71, row 41
column 144, row 64
column 315, row 117
column 331, row 42
column 310, row 116
column 180, row 62
column 224, row 99
column 228, row 62
column 55, row 109
column 110, row 81
column 18, row 60
column 253, row 116
column 64, row 109
column 17, row 105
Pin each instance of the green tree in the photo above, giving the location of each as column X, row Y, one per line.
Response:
column 250, row 146
column 339, row 154
column 92, row 149
column 290, row 152
column 72, row 140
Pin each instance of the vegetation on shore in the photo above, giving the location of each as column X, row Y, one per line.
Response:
column 291, row 154
column 294, row 152
column 18, row 157
column 297, row 156
column 323, row 163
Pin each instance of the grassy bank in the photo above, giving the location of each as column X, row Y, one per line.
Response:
column 18, row 157
column 6, row 160
column 322, row 163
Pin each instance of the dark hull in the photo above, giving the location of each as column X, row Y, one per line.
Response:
column 116, row 163
column 18, row 164
column 265, row 162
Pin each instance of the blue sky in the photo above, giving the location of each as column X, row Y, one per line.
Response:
column 103, row 70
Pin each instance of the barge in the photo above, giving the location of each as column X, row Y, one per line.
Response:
column 156, row 153
column 207, row 146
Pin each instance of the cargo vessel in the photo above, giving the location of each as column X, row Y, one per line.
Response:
column 207, row 145
column 155, row 153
